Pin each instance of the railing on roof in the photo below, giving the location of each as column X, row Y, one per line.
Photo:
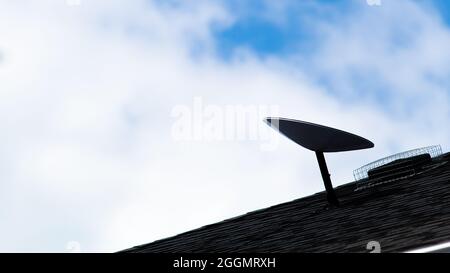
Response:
column 361, row 172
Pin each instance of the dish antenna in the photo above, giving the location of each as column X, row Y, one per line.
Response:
column 320, row 139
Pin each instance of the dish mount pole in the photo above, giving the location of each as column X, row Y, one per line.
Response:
column 331, row 195
column 320, row 139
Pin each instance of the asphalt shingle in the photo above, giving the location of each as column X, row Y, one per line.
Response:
column 401, row 215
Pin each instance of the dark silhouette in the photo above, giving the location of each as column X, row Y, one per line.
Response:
column 320, row 139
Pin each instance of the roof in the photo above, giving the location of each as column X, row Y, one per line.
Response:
column 401, row 215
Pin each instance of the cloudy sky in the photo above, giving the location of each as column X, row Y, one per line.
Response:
column 107, row 108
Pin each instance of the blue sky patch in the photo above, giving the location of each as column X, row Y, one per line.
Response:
column 255, row 31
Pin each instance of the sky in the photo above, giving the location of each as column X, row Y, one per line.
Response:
column 127, row 123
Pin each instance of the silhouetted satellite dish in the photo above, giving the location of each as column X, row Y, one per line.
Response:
column 320, row 139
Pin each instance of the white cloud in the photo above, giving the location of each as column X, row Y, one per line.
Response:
column 85, row 110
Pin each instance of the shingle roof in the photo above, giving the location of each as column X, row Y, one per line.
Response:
column 401, row 215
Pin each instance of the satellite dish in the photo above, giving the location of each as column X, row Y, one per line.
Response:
column 320, row 139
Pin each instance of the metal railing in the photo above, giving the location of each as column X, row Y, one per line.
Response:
column 361, row 172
